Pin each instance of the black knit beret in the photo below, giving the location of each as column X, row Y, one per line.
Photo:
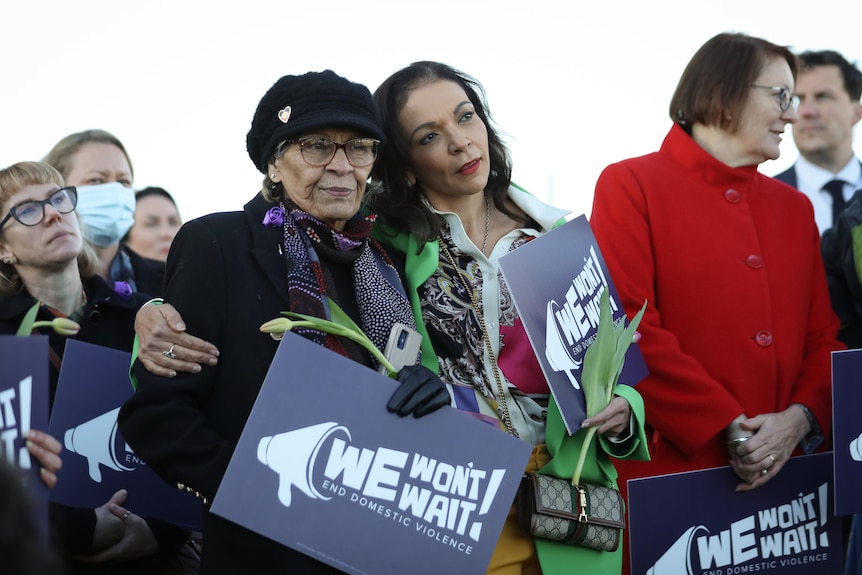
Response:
column 298, row 104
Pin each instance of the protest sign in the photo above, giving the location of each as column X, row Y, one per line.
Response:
column 97, row 461
column 847, row 430
column 325, row 469
column 24, row 406
column 695, row 523
column 557, row 281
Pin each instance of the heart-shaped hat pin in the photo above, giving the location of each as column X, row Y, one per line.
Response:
column 284, row 114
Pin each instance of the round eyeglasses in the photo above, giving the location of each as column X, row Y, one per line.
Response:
column 786, row 98
column 32, row 212
column 318, row 152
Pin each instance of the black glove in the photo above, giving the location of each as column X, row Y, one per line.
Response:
column 420, row 392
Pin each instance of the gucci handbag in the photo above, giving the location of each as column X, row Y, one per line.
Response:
column 585, row 515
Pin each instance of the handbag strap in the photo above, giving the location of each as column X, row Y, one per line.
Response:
column 507, row 420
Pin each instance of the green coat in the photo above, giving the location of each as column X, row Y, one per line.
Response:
column 418, row 268
column 555, row 558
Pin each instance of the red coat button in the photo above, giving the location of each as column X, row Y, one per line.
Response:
column 732, row 196
column 763, row 338
column 754, row 261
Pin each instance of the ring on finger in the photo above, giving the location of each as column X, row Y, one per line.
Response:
column 126, row 515
column 170, row 353
column 772, row 457
column 764, row 471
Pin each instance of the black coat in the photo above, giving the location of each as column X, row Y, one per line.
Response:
column 839, row 260
column 149, row 275
column 226, row 275
column 788, row 176
column 842, row 265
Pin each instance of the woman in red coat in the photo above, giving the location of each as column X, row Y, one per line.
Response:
column 739, row 328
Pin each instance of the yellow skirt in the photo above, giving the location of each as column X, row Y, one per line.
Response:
column 515, row 553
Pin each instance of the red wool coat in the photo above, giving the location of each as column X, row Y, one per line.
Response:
column 739, row 318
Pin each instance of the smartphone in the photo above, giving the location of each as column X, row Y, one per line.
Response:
column 403, row 347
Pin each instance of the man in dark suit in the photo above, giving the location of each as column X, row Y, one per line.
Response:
column 829, row 89
column 829, row 173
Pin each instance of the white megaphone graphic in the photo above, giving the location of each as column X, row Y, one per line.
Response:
column 677, row 559
column 856, row 448
column 292, row 455
column 96, row 440
column 556, row 351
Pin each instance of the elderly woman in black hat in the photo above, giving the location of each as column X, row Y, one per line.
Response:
column 304, row 238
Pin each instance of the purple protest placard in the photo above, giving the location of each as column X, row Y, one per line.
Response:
column 24, row 406
column 847, row 430
column 557, row 281
column 695, row 523
column 322, row 467
column 97, row 461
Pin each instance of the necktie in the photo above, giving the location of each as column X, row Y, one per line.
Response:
column 835, row 188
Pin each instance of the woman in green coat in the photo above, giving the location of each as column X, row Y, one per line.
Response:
column 448, row 204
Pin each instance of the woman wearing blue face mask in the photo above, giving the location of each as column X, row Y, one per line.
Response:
column 96, row 162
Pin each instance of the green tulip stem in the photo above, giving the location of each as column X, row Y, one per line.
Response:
column 342, row 326
column 582, row 456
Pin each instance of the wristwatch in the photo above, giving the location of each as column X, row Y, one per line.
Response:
column 812, row 423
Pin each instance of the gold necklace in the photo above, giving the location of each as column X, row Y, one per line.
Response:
column 507, row 420
column 487, row 224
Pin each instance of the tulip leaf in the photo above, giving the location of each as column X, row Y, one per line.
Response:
column 340, row 325
column 598, row 361
column 603, row 364
column 341, row 318
column 624, row 341
column 26, row 327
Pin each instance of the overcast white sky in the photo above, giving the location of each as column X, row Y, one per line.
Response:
column 575, row 85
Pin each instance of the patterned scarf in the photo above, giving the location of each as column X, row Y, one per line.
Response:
column 121, row 269
column 380, row 296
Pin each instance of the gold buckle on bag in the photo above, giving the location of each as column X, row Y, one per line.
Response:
column 582, row 498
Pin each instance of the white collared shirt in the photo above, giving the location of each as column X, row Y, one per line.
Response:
column 546, row 216
column 810, row 180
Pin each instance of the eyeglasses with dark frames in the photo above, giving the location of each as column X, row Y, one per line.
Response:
column 32, row 212
column 786, row 98
column 318, row 152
